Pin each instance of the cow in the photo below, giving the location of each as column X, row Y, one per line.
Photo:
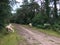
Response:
column 10, row 28
column 30, row 24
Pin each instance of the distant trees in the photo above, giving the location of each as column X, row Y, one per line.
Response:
column 27, row 12
column 39, row 14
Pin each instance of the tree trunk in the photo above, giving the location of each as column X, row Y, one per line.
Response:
column 55, row 10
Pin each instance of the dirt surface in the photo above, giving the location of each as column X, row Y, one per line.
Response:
column 36, row 38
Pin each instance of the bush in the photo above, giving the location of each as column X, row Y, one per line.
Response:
column 47, row 26
column 39, row 19
column 41, row 26
column 56, row 27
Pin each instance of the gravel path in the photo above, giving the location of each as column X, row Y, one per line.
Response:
column 34, row 38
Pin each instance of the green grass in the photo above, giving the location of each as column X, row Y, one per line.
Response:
column 49, row 32
column 46, row 31
column 12, row 39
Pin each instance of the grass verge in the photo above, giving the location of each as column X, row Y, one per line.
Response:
column 49, row 32
column 11, row 39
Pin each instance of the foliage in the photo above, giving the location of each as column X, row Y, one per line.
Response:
column 4, row 13
column 38, row 15
column 26, row 12
column 56, row 26
column 55, row 9
column 39, row 19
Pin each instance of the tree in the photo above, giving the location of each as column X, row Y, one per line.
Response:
column 32, row 1
column 4, row 12
column 27, row 11
column 47, row 9
column 55, row 9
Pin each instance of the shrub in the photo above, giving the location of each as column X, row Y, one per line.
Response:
column 56, row 27
column 39, row 19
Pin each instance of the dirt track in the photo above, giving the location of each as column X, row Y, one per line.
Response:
column 35, row 38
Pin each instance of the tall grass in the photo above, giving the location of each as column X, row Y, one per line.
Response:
column 9, row 39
